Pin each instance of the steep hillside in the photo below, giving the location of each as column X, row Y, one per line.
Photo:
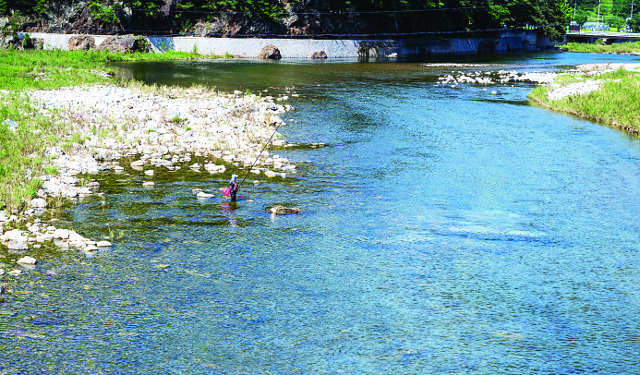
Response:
column 292, row 18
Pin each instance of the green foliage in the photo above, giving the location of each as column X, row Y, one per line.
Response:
column 35, row 7
column 9, row 31
column 614, row 48
column 634, row 23
column 104, row 13
column 581, row 18
column 367, row 16
column 620, row 89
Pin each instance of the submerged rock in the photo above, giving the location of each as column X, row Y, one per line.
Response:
column 204, row 195
column 282, row 210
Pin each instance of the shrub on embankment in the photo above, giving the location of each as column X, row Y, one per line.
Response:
column 616, row 103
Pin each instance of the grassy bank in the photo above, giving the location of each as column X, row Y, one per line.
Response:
column 616, row 103
column 615, row 48
column 25, row 134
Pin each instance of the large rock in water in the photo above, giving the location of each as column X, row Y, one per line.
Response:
column 282, row 210
column 318, row 55
column 122, row 44
column 82, row 42
column 270, row 52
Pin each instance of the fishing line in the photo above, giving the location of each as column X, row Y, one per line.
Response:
column 266, row 144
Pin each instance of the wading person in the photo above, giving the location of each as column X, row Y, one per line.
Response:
column 233, row 188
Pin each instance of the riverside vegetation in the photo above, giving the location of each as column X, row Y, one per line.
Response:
column 601, row 47
column 604, row 96
column 25, row 132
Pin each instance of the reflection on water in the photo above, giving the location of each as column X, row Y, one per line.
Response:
column 442, row 231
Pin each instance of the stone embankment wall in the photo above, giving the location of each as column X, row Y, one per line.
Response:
column 342, row 48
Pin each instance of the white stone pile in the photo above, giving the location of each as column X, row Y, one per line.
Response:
column 39, row 233
column 557, row 92
column 165, row 127
column 492, row 77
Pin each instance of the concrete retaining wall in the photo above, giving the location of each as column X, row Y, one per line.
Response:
column 302, row 48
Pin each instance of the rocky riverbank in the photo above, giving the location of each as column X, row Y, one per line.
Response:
column 151, row 128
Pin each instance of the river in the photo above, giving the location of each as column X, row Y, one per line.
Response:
column 443, row 230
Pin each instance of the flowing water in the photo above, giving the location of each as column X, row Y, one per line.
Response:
column 443, row 230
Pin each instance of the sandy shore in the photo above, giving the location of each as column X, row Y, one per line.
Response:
column 159, row 128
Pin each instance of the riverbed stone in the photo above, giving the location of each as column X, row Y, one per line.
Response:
column 204, row 195
column 38, row 203
column 90, row 248
column 18, row 246
column 62, row 234
column 14, row 235
column 103, row 244
column 282, row 210
column 149, row 184
column 27, row 260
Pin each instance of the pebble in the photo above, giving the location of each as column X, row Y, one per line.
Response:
column 103, row 244
column 90, row 248
column 149, row 184
column 14, row 272
column 61, row 234
column 204, row 195
column 149, row 172
column 38, row 203
column 14, row 245
column 27, row 260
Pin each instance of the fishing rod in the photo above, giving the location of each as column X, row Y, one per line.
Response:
column 266, row 144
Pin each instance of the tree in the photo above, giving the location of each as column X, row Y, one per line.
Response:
column 616, row 22
column 634, row 23
column 580, row 18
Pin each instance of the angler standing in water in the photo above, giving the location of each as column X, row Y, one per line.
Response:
column 233, row 188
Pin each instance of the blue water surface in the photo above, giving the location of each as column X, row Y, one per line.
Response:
column 443, row 230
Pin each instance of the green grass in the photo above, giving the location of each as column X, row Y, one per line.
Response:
column 22, row 152
column 616, row 104
column 615, row 48
column 20, row 70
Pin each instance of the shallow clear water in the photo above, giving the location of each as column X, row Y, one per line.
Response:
column 444, row 230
